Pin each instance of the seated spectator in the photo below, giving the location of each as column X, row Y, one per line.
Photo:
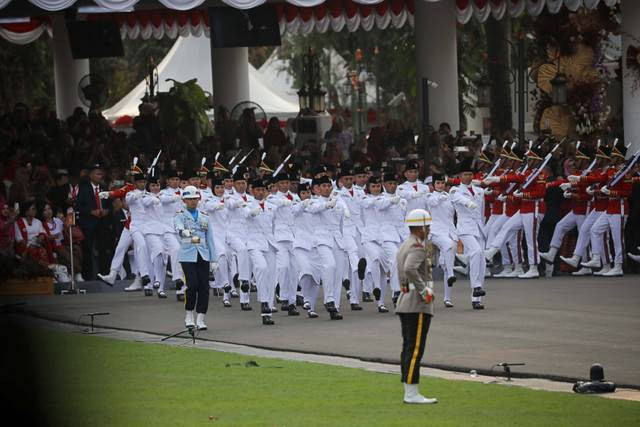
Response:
column 7, row 232
column 30, row 236
column 274, row 136
column 56, row 238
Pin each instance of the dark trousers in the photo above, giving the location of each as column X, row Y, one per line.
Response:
column 197, row 278
column 414, row 334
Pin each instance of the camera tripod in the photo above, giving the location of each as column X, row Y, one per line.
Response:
column 191, row 330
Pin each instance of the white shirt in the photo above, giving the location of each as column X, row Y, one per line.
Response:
column 33, row 231
column 470, row 218
column 171, row 204
column 442, row 212
column 392, row 209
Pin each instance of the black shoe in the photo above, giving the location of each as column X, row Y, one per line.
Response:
column 335, row 315
column 226, row 303
column 331, row 307
column 478, row 292
column 366, row 297
column 285, row 305
column 382, row 309
column 227, row 288
column 244, row 286
column 253, row 288
column 145, row 280
column 156, row 285
column 245, row 306
column 278, row 300
column 449, row 304
column 346, row 284
column 162, row 295
column 179, row 284
column 236, row 282
column 275, row 310
column 312, row 314
column 348, row 295
column 377, row 293
column 395, row 297
column 451, row 280
column 299, row 300
column 355, row 307
column 477, row 305
column 267, row 320
column 362, row 267
column 306, row 306
column 180, row 297
column 234, row 294
column 148, row 292
column 293, row 311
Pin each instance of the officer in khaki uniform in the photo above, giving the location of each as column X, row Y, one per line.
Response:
column 415, row 304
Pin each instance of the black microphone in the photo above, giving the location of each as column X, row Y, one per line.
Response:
column 97, row 314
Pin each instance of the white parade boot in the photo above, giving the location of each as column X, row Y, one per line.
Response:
column 109, row 278
column 188, row 320
column 604, row 270
column 136, row 285
column 549, row 256
column 506, row 271
column 79, row 278
column 461, row 270
column 532, row 273
column 594, row 262
column 200, row 322
column 518, row 271
column 411, row 395
column 574, row 261
column 490, row 253
column 615, row 271
column 636, row 258
column 584, row 271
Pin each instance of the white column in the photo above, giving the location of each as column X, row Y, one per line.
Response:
column 230, row 75
column 67, row 71
column 631, row 102
column 435, row 27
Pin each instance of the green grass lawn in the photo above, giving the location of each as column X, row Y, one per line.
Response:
column 136, row 384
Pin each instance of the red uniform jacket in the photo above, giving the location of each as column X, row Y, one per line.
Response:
column 533, row 195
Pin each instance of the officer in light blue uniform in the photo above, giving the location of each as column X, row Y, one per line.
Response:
column 197, row 256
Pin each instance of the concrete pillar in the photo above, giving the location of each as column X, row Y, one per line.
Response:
column 631, row 102
column 230, row 75
column 67, row 71
column 436, row 50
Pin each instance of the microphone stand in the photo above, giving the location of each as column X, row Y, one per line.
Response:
column 190, row 330
column 73, row 290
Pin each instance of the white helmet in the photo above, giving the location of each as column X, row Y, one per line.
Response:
column 418, row 218
column 190, row 192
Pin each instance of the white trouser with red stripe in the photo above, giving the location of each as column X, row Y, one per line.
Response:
column 566, row 224
column 613, row 223
column 584, row 235
column 531, row 226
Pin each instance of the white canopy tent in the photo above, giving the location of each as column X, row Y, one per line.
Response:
column 190, row 57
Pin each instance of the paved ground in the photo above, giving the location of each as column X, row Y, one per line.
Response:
column 558, row 326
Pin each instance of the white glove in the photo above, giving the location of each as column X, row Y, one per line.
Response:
column 453, row 190
column 567, row 194
column 490, row 180
column 502, row 197
column 330, row 204
column 103, row 195
column 417, row 194
column 471, row 205
column 565, row 186
column 395, row 200
column 177, row 197
column 156, row 200
column 347, row 213
column 476, row 182
column 254, row 212
column 286, row 202
column 517, row 194
column 306, row 202
column 218, row 207
column 213, row 266
column 590, row 191
column 573, row 178
column 443, row 196
column 605, row 190
column 185, row 233
column 488, row 191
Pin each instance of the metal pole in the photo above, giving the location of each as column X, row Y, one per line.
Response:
column 521, row 89
column 73, row 275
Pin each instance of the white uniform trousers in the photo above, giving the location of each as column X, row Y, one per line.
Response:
column 239, row 248
column 122, row 248
column 375, row 272
column 140, row 251
column 172, row 248
column 566, row 224
column 447, row 247
column 531, row 226
column 263, row 262
column 473, row 248
column 325, row 256
column 350, row 266
column 584, row 235
column 284, row 271
column 307, row 274
column 155, row 250
column 614, row 224
column 389, row 264
column 509, row 248
column 507, row 230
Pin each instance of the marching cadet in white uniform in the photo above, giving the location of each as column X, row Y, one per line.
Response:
column 153, row 229
column 468, row 202
column 218, row 220
column 359, row 185
column 325, row 219
column 283, row 233
column 303, row 250
column 372, row 242
column 133, row 199
column 412, row 190
column 443, row 232
column 353, row 265
column 392, row 210
column 261, row 247
column 171, row 200
column 236, row 234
